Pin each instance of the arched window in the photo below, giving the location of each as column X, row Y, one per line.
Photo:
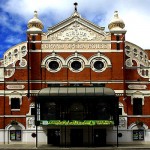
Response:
column 77, row 111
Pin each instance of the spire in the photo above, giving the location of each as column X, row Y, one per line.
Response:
column 75, row 6
column 75, row 14
column 116, row 14
column 35, row 14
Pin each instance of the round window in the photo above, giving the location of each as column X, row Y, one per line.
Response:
column 53, row 65
column 98, row 65
column 76, row 65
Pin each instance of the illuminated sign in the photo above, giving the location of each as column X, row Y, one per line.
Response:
column 76, row 122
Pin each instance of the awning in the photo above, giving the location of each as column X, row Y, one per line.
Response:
column 76, row 91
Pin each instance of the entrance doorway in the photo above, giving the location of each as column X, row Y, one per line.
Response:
column 76, row 137
column 53, row 136
column 99, row 137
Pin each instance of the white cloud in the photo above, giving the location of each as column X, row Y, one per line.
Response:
column 10, row 24
column 12, row 39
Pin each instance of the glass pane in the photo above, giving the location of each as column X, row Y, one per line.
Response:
column 76, row 65
column 53, row 65
column 98, row 65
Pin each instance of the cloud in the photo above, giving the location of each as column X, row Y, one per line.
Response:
column 16, row 13
column 12, row 39
column 10, row 23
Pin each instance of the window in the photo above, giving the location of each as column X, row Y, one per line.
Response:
column 15, row 103
column 53, row 65
column 120, row 111
column 102, row 111
column 138, row 134
column 15, row 135
column 32, row 111
column 117, row 38
column 49, row 111
column 98, row 65
column 76, row 65
column 33, row 37
column 137, row 106
column 118, row 44
column 76, row 111
column 33, row 46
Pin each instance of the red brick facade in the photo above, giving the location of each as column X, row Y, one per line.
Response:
column 123, row 77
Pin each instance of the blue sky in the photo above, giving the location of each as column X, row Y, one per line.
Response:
column 15, row 14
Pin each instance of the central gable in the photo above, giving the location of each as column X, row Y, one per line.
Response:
column 75, row 29
column 76, row 32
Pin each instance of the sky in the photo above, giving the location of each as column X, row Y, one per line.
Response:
column 15, row 14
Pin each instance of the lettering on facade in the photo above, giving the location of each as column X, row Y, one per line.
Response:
column 131, row 86
column 77, row 122
column 15, row 86
column 75, row 46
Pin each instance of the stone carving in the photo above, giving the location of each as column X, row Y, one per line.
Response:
column 30, row 122
column 12, row 56
column 9, row 71
column 138, row 55
column 76, row 32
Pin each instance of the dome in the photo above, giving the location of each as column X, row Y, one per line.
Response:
column 35, row 22
column 116, row 23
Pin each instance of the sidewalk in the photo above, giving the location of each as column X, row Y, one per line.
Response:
column 41, row 147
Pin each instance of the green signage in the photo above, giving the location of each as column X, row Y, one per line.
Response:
column 76, row 122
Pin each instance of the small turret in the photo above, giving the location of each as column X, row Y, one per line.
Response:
column 35, row 24
column 116, row 24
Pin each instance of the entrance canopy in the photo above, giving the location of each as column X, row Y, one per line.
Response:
column 76, row 91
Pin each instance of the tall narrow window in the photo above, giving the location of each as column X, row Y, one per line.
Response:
column 33, row 44
column 15, row 103
column 137, row 106
column 118, row 44
column 120, row 111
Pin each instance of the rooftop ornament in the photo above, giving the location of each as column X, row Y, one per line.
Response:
column 75, row 4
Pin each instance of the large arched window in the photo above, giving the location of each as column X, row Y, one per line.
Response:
column 77, row 111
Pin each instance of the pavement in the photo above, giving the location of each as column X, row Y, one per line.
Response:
column 43, row 147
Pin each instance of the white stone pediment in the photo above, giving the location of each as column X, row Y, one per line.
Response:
column 75, row 32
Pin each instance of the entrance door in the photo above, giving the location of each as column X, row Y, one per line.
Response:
column 76, row 137
column 53, row 136
column 99, row 137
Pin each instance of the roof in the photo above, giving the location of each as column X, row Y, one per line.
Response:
column 76, row 91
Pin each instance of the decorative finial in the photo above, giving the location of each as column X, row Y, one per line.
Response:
column 75, row 4
column 35, row 14
column 116, row 14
